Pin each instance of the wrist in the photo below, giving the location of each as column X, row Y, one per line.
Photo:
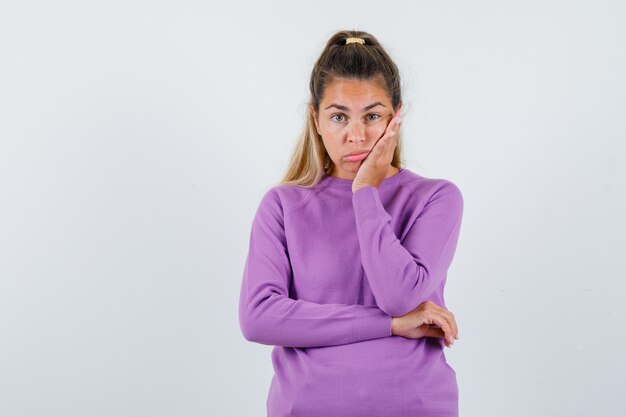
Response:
column 355, row 188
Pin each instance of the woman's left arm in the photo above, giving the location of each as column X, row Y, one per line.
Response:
column 402, row 275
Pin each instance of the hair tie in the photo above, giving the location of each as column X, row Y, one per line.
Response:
column 355, row 40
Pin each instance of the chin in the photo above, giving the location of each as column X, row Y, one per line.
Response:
column 352, row 167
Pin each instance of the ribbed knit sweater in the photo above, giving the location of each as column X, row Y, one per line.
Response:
column 326, row 271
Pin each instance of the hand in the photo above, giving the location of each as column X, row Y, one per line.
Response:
column 417, row 323
column 374, row 167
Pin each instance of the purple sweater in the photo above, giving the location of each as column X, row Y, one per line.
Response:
column 326, row 271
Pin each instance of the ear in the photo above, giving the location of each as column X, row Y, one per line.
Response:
column 314, row 115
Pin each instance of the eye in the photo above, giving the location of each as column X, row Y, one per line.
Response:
column 374, row 116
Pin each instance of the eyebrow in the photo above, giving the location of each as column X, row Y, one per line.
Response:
column 340, row 107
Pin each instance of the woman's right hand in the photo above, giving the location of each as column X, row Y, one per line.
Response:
column 417, row 323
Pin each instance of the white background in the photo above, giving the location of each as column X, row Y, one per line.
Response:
column 136, row 139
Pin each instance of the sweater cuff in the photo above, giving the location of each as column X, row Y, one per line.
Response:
column 367, row 205
column 375, row 326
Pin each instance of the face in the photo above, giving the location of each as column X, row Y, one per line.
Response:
column 352, row 116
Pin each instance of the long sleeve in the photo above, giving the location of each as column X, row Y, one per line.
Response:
column 269, row 316
column 402, row 275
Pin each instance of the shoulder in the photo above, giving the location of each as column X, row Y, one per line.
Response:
column 285, row 198
column 430, row 190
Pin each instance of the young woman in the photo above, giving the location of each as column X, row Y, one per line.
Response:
column 348, row 256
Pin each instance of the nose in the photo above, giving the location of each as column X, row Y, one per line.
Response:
column 356, row 131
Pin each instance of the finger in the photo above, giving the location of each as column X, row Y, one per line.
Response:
column 390, row 146
column 393, row 126
column 453, row 323
column 442, row 321
column 455, row 326
column 389, row 137
column 438, row 333
column 399, row 118
column 450, row 318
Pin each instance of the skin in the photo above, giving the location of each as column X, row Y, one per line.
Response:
column 357, row 127
column 353, row 129
column 418, row 323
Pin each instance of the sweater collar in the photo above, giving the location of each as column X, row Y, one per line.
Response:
column 346, row 184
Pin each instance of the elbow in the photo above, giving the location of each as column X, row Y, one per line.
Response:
column 247, row 329
column 418, row 287
column 395, row 304
column 258, row 329
column 258, row 320
column 250, row 315
column 255, row 325
column 249, row 324
column 253, row 331
column 398, row 307
column 403, row 304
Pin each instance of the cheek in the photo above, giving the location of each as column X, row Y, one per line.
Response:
column 375, row 131
column 333, row 128
column 332, row 145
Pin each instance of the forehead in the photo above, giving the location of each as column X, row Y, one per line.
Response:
column 355, row 93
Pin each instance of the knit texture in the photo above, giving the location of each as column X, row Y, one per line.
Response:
column 326, row 271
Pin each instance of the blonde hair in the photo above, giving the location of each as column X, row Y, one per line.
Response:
column 368, row 61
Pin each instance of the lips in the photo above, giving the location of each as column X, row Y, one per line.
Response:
column 357, row 156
